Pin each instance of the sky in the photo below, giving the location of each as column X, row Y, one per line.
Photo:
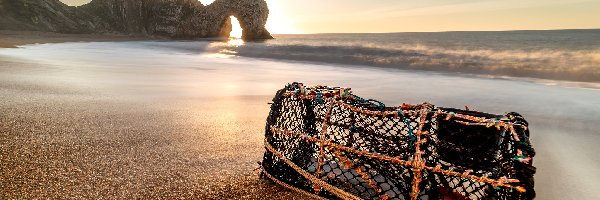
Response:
column 376, row 16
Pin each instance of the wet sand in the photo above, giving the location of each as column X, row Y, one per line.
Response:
column 60, row 140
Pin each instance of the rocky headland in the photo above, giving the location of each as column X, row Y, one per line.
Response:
column 176, row 19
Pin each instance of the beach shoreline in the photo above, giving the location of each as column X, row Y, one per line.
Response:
column 13, row 39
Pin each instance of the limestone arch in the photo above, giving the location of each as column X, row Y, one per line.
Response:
column 252, row 15
column 181, row 19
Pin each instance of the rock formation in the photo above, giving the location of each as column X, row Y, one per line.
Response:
column 179, row 19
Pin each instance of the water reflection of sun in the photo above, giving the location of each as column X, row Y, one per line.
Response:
column 235, row 42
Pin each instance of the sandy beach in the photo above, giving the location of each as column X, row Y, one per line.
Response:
column 124, row 120
column 68, row 142
column 61, row 139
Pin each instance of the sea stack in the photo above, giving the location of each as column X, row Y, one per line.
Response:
column 177, row 19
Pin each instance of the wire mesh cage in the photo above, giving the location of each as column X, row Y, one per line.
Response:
column 328, row 143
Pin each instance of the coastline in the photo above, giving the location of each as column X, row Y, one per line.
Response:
column 13, row 39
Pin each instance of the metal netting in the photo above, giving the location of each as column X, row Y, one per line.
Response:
column 332, row 144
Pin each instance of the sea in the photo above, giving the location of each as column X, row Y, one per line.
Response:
column 550, row 77
column 571, row 55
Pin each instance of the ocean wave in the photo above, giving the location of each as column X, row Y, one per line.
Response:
column 556, row 64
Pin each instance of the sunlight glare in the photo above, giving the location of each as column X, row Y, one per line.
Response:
column 235, row 42
column 206, row 2
column 75, row 2
column 278, row 22
column 236, row 29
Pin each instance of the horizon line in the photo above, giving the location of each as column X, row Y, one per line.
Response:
column 509, row 30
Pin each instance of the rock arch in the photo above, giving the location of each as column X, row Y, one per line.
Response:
column 184, row 19
column 252, row 16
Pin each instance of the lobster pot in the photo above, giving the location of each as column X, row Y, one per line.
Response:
column 329, row 143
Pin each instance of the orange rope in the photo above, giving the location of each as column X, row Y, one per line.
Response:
column 322, row 134
column 418, row 163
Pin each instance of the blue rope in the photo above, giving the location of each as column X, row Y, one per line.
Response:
column 319, row 98
column 379, row 105
column 411, row 135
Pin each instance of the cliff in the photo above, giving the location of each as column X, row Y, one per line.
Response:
column 178, row 19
